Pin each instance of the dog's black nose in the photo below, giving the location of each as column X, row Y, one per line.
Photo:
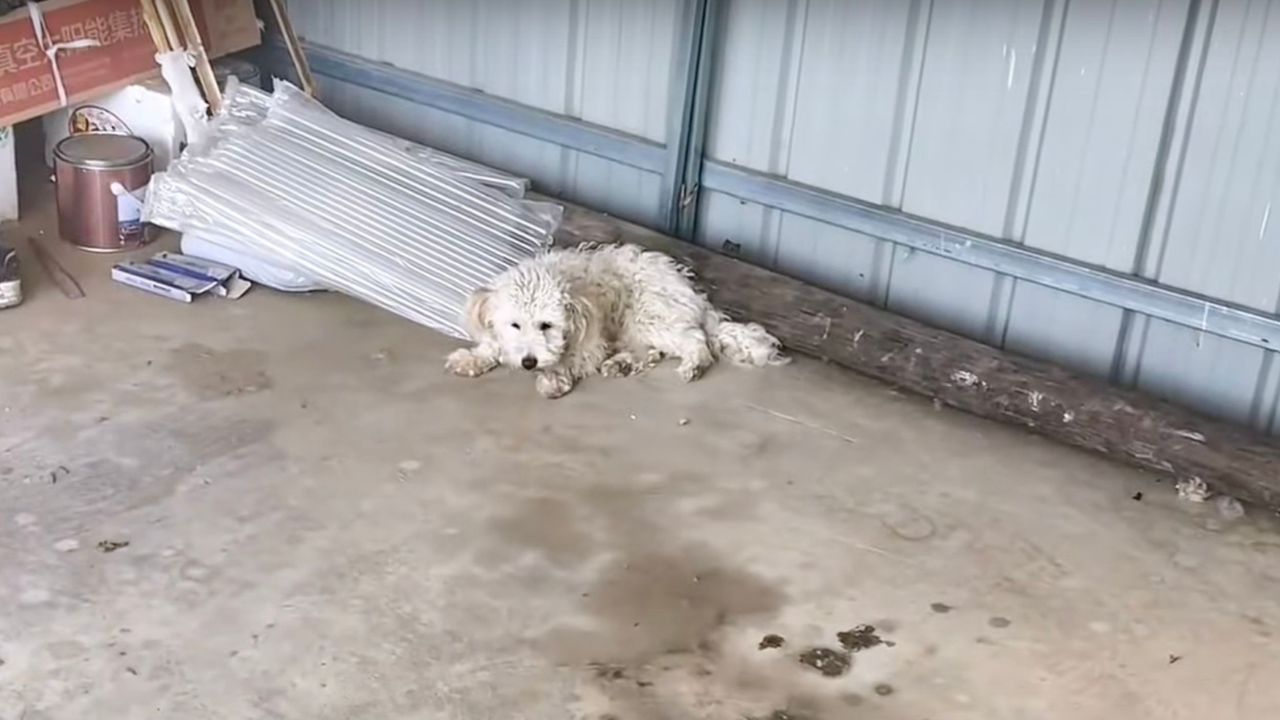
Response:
column 529, row 362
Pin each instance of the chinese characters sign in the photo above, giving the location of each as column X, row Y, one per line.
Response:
column 125, row 55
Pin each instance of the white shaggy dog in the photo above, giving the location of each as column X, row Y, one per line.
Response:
column 614, row 310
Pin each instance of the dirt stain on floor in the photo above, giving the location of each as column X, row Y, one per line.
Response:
column 210, row 374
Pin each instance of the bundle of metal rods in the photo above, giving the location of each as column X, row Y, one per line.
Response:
column 303, row 189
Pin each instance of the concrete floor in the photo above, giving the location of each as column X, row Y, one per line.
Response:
column 322, row 524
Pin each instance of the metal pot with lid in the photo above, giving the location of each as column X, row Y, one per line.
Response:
column 102, row 178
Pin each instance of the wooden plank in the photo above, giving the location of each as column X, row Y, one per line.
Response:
column 967, row 375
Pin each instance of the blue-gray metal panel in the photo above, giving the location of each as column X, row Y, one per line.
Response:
column 839, row 260
column 1114, row 72
column 737, row 227
column 623, row 191
column 833, row 258
column 988, row 253
column 975, row 89
column 962, row 303
column 850, row 96
column 759, row 55
column 605, row 61
column 496, row 112
column 1066, row 329
column 1199, row 370
column 1223, row 238
column 627, row 64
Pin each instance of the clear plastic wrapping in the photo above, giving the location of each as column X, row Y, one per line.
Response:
column 300, row 188
column 246, row 106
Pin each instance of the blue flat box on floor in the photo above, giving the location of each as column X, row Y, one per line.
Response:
column 181, row 277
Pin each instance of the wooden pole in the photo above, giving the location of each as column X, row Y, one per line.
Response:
column 1120, row 424
column 195, row 46
column 296, row 54
column 167, row 23
column 155, row 26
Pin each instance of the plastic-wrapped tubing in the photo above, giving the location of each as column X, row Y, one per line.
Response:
column 245, row 105
column 300, row 190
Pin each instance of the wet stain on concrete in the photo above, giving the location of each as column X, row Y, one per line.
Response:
column 211, row 374
column 647, row 605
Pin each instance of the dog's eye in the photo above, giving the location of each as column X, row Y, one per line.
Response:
column 515, row 325
column 544, row 326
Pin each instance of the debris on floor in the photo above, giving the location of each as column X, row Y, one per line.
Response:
column 1193, row 489
column 860, row 638
column 771, row 641
column 110, row 546
column 831, row 663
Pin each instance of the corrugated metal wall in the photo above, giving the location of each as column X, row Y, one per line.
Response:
column 604, row 61
column 1138, row 135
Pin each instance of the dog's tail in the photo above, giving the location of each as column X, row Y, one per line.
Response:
column 743, row 343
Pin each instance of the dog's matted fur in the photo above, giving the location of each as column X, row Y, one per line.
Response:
column 614, row 310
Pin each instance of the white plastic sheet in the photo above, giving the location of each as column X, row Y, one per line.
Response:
column 232, row 252
column 363, row 213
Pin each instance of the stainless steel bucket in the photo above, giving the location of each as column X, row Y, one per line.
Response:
column 101, row 180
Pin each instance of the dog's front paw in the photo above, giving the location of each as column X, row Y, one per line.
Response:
column 689, row 372
column 620, row 365
column 553, row 385
column 465, row 362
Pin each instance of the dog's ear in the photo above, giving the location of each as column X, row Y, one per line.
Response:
column 476, row 313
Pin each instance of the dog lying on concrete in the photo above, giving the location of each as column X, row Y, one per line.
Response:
column 612, row 310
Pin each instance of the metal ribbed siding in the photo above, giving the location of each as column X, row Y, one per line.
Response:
column 1067, row 126
column 606, row 62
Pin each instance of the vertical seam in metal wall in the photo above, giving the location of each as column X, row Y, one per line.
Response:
column 574, row 84
column 888, row 192
column 1027, row 161
column 1132, row 337
column 886, row 289
column 784, row 116
column 684, row 70
column 1022, row 166
column 689, row 109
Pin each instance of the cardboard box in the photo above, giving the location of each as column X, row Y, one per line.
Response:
column 127, row 55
